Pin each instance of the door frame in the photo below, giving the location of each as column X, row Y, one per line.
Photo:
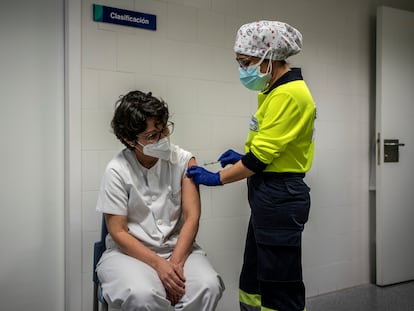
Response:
column 73, row 156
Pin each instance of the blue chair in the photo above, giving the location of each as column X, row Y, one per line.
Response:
column 98, row 249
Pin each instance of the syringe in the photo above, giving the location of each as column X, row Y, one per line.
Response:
column 210, row 163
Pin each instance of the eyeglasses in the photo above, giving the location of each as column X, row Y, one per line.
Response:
column 155, row 136
column 244, row 62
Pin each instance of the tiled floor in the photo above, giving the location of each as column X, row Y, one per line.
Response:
column 369, row 297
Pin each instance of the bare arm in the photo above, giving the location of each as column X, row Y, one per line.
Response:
column 191, row 207
column 234, row 173
column 118, row 228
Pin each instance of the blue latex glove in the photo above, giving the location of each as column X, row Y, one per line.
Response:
column 202, row 176
column 229, row 157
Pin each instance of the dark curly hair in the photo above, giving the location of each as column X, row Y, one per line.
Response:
column 131, row 113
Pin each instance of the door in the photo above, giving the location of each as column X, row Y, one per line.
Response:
column 32, row 255
column 395, row 146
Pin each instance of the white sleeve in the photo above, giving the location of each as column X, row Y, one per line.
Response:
column 113, row 195
column 180, row 157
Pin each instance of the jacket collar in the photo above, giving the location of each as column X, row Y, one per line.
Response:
column 292, row 75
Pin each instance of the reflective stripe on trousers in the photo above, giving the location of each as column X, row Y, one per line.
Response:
column 252, row 302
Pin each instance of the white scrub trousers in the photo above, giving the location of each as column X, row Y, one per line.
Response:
column 132, row 285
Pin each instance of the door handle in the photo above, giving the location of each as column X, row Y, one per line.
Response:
column 393, row 144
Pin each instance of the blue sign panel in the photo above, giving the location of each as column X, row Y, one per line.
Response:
column 110, row 15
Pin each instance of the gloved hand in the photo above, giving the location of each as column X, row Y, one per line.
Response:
column 229, row 157
column 202, row 176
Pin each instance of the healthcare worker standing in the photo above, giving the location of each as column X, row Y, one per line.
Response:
column 278, row 152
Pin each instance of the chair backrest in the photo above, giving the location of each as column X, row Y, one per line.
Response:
column 99, row 248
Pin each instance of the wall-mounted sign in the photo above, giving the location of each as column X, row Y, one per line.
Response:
column 110, row 15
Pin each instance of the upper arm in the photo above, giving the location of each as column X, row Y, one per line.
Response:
column 192, row 162
column 190, row 195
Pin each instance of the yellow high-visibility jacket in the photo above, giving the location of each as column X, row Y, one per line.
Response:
column 281, row 132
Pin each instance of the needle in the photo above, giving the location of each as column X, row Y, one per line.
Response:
column 210, row 163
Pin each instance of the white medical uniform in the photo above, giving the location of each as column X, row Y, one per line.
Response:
column 151, row 198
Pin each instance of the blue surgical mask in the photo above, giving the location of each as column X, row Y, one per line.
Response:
column 252, row 78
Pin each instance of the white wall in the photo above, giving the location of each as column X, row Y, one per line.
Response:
column 31, row 138
column 189, row 62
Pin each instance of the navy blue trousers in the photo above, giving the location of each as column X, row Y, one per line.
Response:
column 272, row 266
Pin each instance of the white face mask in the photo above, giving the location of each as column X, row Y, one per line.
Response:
column 160, row 149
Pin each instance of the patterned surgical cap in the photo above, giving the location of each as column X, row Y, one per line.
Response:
column 257, row 38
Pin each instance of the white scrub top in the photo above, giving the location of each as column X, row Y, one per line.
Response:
column 151, row 198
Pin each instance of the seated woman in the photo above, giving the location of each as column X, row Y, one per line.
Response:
column 152, row 213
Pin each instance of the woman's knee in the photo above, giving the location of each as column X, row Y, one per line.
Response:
column 144, row 298
column 212, row 284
